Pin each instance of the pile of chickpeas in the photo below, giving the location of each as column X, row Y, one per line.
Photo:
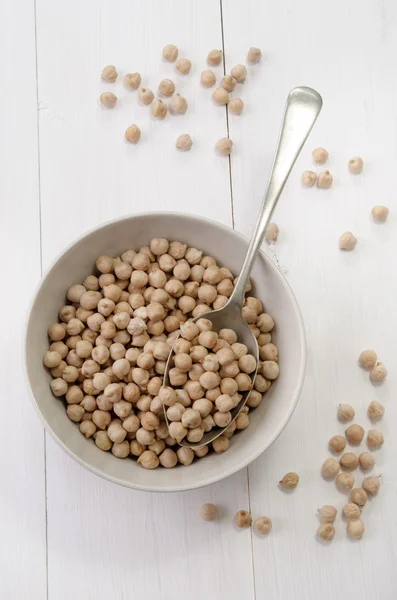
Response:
column 109, row 350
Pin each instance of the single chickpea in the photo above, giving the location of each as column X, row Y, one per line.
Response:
column 186, row 304
column 177, row 431
column 337, row 443
column 228, row 83
column 224, row 403
column 265, row 323
column 208, row 78
column 324, row 180
column 367, row 460
column 236, row 106
column 210, row 363
column 242, row 421
column 84, row 349
column 243, row 518
column 374, row 438
column 345, row 413
column 56, row 332
column 220, row 444
column 269, row 369
column 326, row 532
column 203, row 406
column 345, row 481
column 148, row 459
column 183, row 65
column 194, row 390
column 182, row 270
column 208, row 423
column 178, row 104
column 201, row 451
column 195, row 435
column 113, row 392
column 214, row 57
column 170, row 53
column 320, row 155
column 208, row 512
column 106, row 278
column 358, row 496
column 103, row 404
column 247, row 364
column 167, row 396
column 59, row 370
column 367, row 359
column 349, row 460
column 244, row 382
column 145, row 95
column 380, row 213
column 73, row 360
column 70, row 374
column 168, row 458
column 347, row 241
column 131, row 424
column 222, row 419
column 109, row 73
column 355, row 434
column 308, row 178
column 101, row 381
column 108, row 99
column 208, row 339
column 95, row 321
column 150, row 421
column 175, row 412
column 116, row 431
column 356, row 529
column 189, row 330
column 355, row 165
column 102, row 440
column 132, row 80
column 254, row 399
column 371, row 484
column 375, row 410
column 191, row 418
column 182, row 346
column 145, row 437
column 75, row 292
column 67, row 312
column 351, row 511
column 239, row 72
column 191, row 289
column 209, row 380
column 74, row 395
column 263, row 525
column 87, row 428
column 254, row 55
column 327, row 513
column 136, row 448
column 161, row 351
column 197, row 273
column 268, row 352
column 106, row 307
column 122, row 449
column 52, row 359
column 159, row 109
column 330, row 468
column 59, row 387
column 220, row 96
column 101, row 418
column 183, row 362
column 378, row 373
column 225, row 287
column 89, row 336
column 146, row 361
column 166, row 87
column 132, row 134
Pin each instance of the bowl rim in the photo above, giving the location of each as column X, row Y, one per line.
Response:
column 233, row 468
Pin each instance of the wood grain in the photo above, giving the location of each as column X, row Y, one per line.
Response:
column 22, row 496
column 347, row 299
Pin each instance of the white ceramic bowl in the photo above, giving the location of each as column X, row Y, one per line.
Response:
column 228, row 247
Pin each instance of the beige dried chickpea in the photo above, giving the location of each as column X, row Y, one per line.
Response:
column 239, row 72
column 347, row 241
column 170, row 53
column 235, row 106
column 159, row 109
column 355, row 434
column 208, row 512
column 349, row 460
column 308, row 178
column 289, row 481
column 345, row 481
column 132, row 80
column 272, row 232
column 148, row 460
column 224, row 146
column 183, row 66
column 214, row 57
column 220, row 96
column 375, row 410
column 109, row 73
column 320, row 155
column 263, row 525
column 184, row 142
column 351, row 511
column 254, row 55
column 367, row 460
column 208, row 78
column 166, row 87
column 378, row 373
column 330, row 468
column 324, row 180
column 367, row 359
column 243, row 518
column 327, row 513
column 337, row 443
column 355, row 165
column 380, row 213
column 108, row 99
column 371, row 484
column 133, row 134
column 358, row 496
column 356, row 529
column 326, row 532
column 374, row 439
column 178, row 105
column 220, row 444
column 346, row 413
column 145, row 95
column 228, row 82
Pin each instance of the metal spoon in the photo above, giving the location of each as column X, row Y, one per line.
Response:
column 301, row 111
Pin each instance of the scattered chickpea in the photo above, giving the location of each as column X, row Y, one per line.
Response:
column 347, row 241
column 367, row 359
column 358, row 496
column 133, row 134
column 220, row 96
column 170, row 53
column 159, row 109
column 355, row 434
column 355, row 165
column 337, row 443
column 375, row 410
column 345, row 413
column 220, row 444
column 208, row 78
column 371, row 484
column 145, row 95
column 183, row 66
column 351, row 511
column 349, row 460
column 326, row 532
column 308, row 178
column 320, row 156
column 166, row 87
column 367, row 460
column 345, row 481
column 330, row 468
column 239, row 72
column 132, row 80
column 374, row 439
column 254, row 55
column 108, row 99
column 356, row 529
column 380, row 213
column 378, row 373
column 224, row 146
column 327, row 513
column 209, row 512
column 324, row 180
column 228, row 82
column 184, row 142
column 289, row 481
column 243, row 518
column 236, row 106
column 109, row 73
column 178, row 105
column 263, row 525
column 148, row 459
column 272, row 232
column 214, row 57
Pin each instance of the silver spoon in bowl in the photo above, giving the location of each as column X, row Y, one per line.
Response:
column 301, row 111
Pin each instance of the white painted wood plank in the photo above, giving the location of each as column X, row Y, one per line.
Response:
column 22, row 503
column 348, row 300
column 115, row 542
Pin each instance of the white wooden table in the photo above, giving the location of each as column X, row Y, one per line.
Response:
column 67, row 534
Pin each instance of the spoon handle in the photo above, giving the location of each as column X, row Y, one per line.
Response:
column 301, row 111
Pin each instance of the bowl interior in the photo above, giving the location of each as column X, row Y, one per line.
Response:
column 229, row 248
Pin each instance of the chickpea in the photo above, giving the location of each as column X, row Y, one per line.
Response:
column 67, row 312
column 337, row 443
column 367, row 359
column 242, row 421
column 175, row 411
column 356, row 529
column 59, row 370
column 374, row 438
column 201, row 451
column 349, row 460
column 239, row 72
column 87, row 428
column 358, row 496
column 178, row 105
column 166, row 87
column 161, row 351
column 326, row 532
column 371, row 484
column 220, row 96
column 109, row 73
column 308, row 178
column 131, row 423
column 56, row 332
column 101, row 419
column 113, row 392
column 136, row 448
column 243, row 518
column 116, row 431
column 378, row 373
column 208, row 78
column 347, row 241
column 214, row 57
column 159, row 109
column 345, row 481
column 177, row 431
column 263, row 525
column 52, row 359
column 59, row 387
column 145, row 437
column 330, row 468
column 320, row 156
column 102, row 440
column 170, row 53
column 148, row 459
column 324, row 180
column 327, row 513
column 220, row 444
column 105, row 307
column 70, row 374
column 355, row 434
column 122, row 449
column 375, row 410
column 367, row 460
column 345, row 413
column 224, row 146
column 355, row 165
column 150, row 421
column 132, row 80
column 145, row 95
column 236, row 106
column 183, row 65
column 380, row 213
column 247, row 364
column 191, row 418
column 254, row 55
column 108, row 99
column 228, row 83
